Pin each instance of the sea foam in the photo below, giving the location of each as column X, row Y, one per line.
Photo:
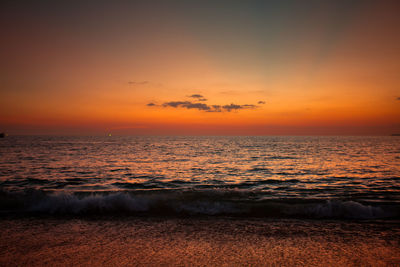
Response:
column 189, row 204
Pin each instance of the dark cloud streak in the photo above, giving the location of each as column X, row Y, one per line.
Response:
column 205, row 107
column 198, row 97
column 187, row 104
column 138, row 83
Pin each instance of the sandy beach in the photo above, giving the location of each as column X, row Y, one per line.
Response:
column 196, row 242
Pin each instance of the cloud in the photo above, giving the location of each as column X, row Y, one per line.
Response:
column 205, row 107
column 198, row 97
column 237, row 107
column 187, row 104
column 261, row 102
column 138, row 82
column 216, row 108
column 398, row 98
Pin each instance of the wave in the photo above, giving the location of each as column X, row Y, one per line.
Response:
column 190, row 203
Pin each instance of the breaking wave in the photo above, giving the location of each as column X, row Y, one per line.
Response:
column 192, row 203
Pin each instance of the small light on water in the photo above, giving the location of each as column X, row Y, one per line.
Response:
column 109, row 134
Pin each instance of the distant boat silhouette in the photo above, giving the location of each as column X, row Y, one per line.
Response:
column 2, row 135
column 396, row 134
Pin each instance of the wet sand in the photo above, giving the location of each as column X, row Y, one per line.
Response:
column 196, row 242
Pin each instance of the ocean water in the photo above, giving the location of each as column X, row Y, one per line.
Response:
column 268, row 177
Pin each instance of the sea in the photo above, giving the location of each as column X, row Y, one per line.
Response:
column 199, row 201
column 318, row 178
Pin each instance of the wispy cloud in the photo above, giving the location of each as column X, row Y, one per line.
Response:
column 229, row 92
column 198, row 97
column 187, row 104
column 235, row 92
column 138, row 82
column 205, row 107
column 237, row 107
column 398, row 98
column 261, row 102
column 150, row 104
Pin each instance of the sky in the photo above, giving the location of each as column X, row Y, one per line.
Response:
column 200, row 67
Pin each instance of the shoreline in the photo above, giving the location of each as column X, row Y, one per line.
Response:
column 207, row 241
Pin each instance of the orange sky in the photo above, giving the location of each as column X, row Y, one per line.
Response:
column 320, row 68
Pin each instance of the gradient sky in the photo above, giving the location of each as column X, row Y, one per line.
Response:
column 260, row 67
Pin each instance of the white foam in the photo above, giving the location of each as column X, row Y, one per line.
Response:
column 191, row 203
column 339, row 209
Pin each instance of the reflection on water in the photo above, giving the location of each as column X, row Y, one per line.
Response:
column 271, row 167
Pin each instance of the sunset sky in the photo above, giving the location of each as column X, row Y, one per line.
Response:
column 200, row 67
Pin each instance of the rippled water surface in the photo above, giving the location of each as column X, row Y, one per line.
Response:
column 245, row 170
